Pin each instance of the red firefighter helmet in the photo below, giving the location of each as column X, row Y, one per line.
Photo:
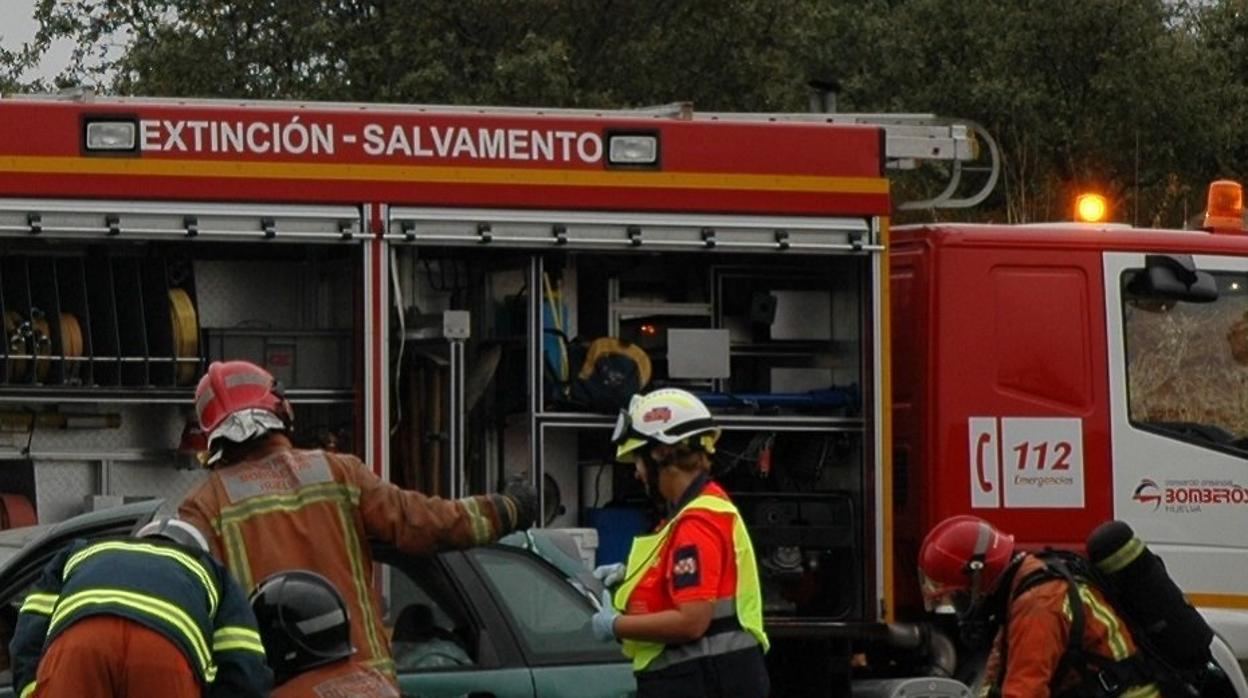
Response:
column 961, row 560
column 238, row 401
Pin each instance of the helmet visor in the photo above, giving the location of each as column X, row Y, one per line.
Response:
column 624, row 422
column 623, row 425
column 942, row 598
column 624, row 435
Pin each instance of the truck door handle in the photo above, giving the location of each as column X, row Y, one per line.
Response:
column 481, row 694
column 984, row 484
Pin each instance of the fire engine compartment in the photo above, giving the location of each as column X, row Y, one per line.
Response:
column 773, row 329
column 778, row 342
column 106, row 335
column 789, row 394
column 774, row 333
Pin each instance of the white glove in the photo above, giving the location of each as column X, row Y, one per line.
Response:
column 603, row 622
column 610, row 575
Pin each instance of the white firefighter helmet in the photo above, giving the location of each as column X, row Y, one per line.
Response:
column 666, row 416
column 174, row 529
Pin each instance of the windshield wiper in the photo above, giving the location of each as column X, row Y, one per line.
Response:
column 1203, row 433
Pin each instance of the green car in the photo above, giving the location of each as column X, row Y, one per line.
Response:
column 503, row 621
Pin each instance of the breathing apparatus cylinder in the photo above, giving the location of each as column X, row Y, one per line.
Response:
column 1146, row 594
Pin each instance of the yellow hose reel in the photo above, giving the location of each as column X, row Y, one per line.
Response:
column 71, row 345
column 185, row 335
column 35, row 338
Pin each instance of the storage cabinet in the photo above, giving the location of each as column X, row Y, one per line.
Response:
column 132, row 301
column 112, row 310
column 773, row 340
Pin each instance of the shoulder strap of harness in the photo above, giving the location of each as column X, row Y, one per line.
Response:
column 1073, row 656
column 1100, row 676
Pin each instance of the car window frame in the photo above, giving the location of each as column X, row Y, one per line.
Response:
column 605, row 655
column 28, row 564
column 497, row 647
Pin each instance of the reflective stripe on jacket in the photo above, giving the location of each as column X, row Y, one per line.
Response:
column 286, row 508
column 181, row 593
column 737, row 623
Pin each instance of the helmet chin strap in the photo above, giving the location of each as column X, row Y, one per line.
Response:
column 975, row 569
column 975, row 565
column 653, row 466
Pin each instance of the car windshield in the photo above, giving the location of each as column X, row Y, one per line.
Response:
column 560, row 549
column 550, row 614
column 1187, row 364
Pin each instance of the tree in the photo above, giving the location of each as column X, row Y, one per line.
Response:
column 721, row 53
column 13, row 67
column 1221, row 30
column 1069, row 88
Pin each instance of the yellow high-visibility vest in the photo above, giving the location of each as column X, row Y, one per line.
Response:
column 746, row 605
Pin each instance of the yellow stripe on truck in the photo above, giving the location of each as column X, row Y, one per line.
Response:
column 237, row 169
column 1236, row 601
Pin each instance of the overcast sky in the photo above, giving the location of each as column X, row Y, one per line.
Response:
column 17, row 26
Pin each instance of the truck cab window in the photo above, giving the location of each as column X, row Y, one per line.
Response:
column 1187, row 364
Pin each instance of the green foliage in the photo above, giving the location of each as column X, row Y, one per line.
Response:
column 13, row 66
column 1141, row 99
column 10, row 71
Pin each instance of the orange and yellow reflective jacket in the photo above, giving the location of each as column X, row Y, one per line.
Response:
column 1034, row 639
column 284, row 508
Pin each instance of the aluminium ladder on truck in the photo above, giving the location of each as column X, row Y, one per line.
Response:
column 961, row 146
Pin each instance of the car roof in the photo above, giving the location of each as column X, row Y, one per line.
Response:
column 19, row 545
column 12, row 540
column 545, row 545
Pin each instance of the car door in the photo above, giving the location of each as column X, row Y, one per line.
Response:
column 550, row 618
column 23, row 568
column 447, row 637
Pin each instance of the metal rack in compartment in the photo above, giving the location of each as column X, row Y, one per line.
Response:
column 96, row 320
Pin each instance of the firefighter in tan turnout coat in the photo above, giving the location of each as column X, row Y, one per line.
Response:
column 269, row 507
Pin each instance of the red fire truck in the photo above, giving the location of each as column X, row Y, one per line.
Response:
column 1051, row 377
column 419, row 279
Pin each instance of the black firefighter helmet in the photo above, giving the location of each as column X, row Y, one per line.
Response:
column 303, row 622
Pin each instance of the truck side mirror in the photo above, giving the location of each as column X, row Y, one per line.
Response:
column 1173, row 277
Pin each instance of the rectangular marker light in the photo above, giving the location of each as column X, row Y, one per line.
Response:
column 633, row 150
column 111, row 135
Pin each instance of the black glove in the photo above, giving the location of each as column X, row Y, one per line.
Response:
column 522, row 494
